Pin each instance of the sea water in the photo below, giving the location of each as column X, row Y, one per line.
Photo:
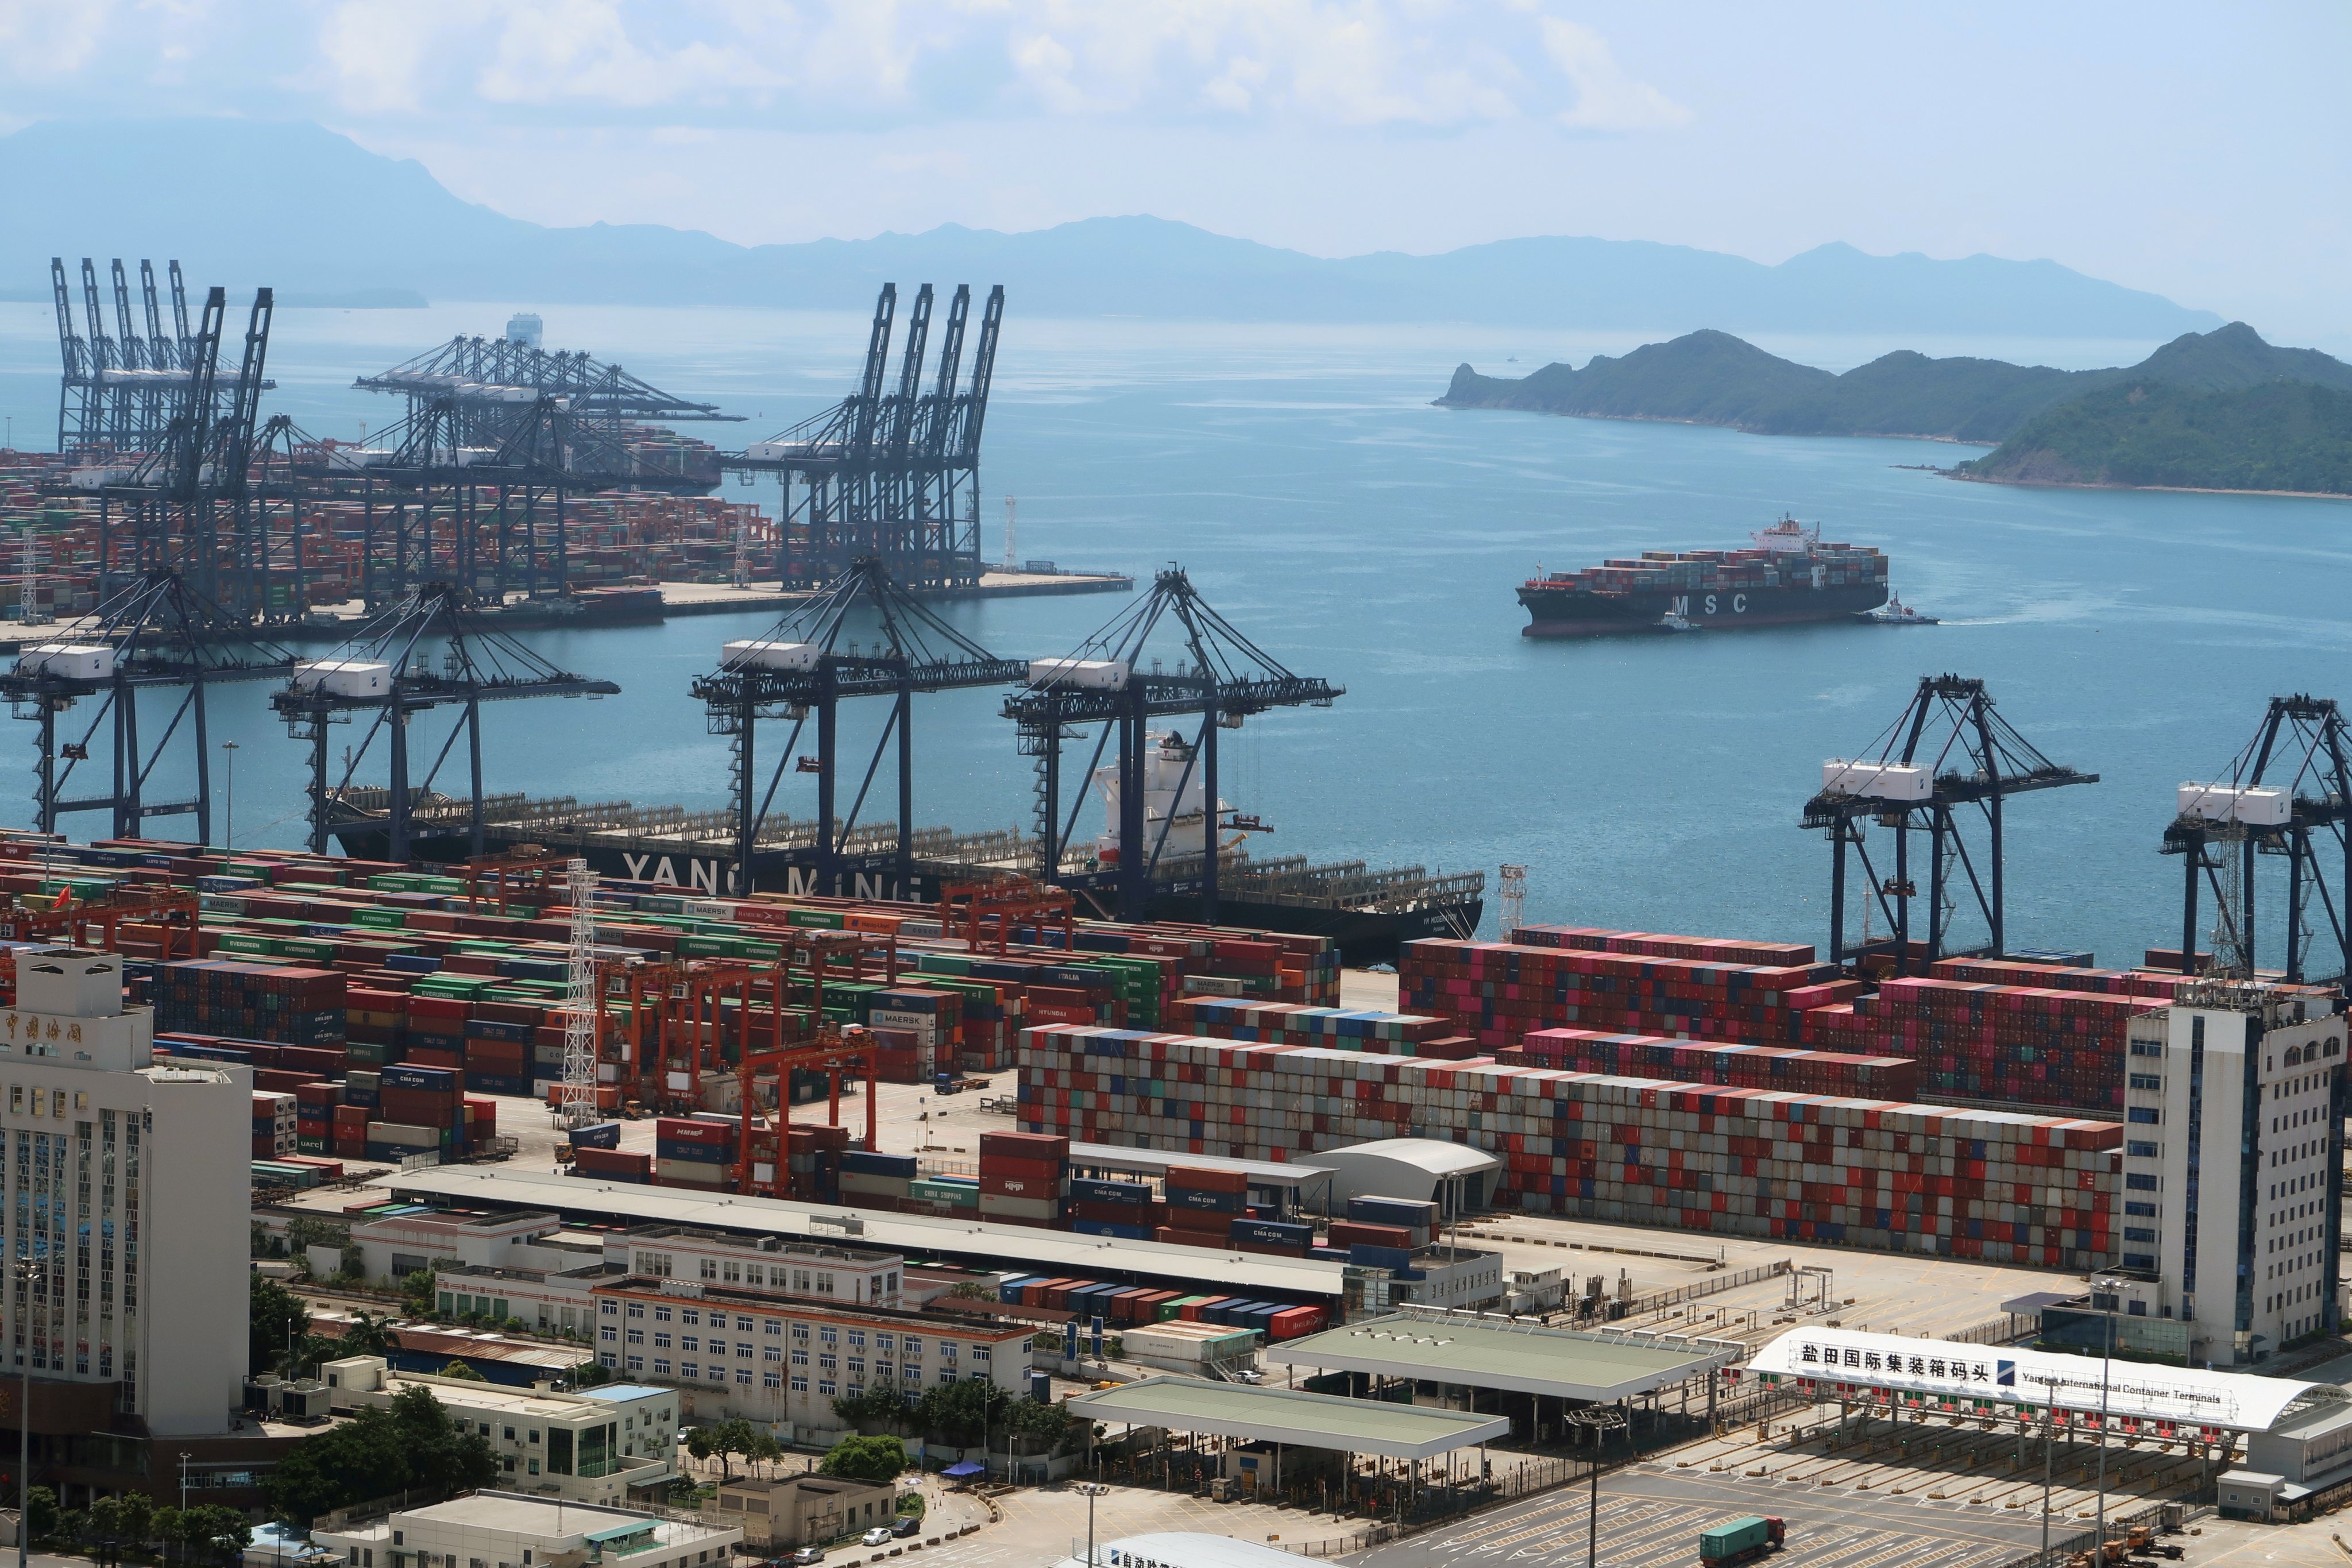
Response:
column 1354, row 532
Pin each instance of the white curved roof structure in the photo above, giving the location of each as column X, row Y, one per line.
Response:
column 1420, row 1169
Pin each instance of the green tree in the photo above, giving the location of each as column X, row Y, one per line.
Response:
column 866, row 1458
column 214, row 1531
column 368, row 1334
column 40, row 1512
column 973, row 1290
column 761, row 1447
column 135, row 1514
column 441, row 1459
column 725, row 1440
column 276, row 1318
column 464, row 1370
column 164, row 1523
column 874, row 1408
column 416, row 1293
column 102, row 1521
column 959, row 1413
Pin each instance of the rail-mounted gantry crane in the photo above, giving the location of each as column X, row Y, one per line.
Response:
column 156, row 634
column 1949, row 752
column 2287, row 794
column 388, row 669
column 801, row 669
column 1222, row 676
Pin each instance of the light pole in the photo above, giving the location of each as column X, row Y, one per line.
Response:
column 1092, row 1491
column 27, row 1270
column 229, row 837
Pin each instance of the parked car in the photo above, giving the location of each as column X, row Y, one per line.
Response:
column 878, row 1536
column 806, row 1555
column 1249, row 1375
column 912, row 1524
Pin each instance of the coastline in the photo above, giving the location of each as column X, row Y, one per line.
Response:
column 1712, row 424
column 2151, row 490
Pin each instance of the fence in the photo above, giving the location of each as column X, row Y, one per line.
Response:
column 2001, row 1331
column 1339, row 1546
column 1658, row 1300
column 2083, row 1540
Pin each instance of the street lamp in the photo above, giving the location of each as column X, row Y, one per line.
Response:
column 27, row 1270
column 229, row 837
column 1092, row 1491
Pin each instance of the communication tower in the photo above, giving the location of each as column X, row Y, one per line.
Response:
column 581, row 1004
column 1513, row 902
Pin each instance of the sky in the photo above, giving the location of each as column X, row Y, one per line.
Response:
column 2203, row 152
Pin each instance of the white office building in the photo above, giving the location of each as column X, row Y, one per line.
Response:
column 126, row 1197
column 2233, row 1158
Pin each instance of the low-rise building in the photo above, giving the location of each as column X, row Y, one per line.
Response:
column 781, row 1361
column 510, row 1530
column 801, row 1511
column 614, row 1444
column 394, row 1245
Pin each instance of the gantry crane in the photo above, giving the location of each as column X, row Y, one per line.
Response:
column 803, row 669
column 386, row 670
column 1222, row 677
column 1949, row 750
column 157, row 633
column 2288, row 793
column 894, row 474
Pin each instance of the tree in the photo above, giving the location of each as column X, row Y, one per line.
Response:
column 726, row 1440
column 416, row 1294
column 463, row 1370
column 135, row 1517
column 368, row 1334
column 874, row 1408
column 277, row 1318
column 40, row 1512
column 442, row 1459
column 761, row 1447
column 212, row 1531
column 164, row 1524
column 959, row 1412
column 973, row 1290
column 866, row 1458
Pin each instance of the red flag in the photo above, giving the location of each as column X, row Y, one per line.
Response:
column 64, row 897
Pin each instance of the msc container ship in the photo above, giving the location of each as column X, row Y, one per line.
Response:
column 1790, row 576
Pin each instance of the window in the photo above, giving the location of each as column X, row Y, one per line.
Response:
column 2146, row 1115
column 800, row 1358
column 690, row 1318
column 857, row 1339
column 690, row 1369
column 2140, row 1181
column 2139, row 1210
column 509, row 1431
column 743, row 1325
column 772, row 1352
column 913, row 1375
column 800, row 1383
column 883, row 1343
column 688, row 1342
column 608, row 1309
column 743, row 1376
column 979, row 1352
column 914, row 1347
column 2147, row 1080
column 661, row 1365
column 636, row 1364
column 717, row 1372
column 661, row 1340
column 828, row 1334
column 771, row 1326
column 826, row 1387
column 636, row 1308
column 608, row 1333
column 2147, row 1048
column 661, row 1314
column 771, row 1379
column 637, row 1336
column 2138, row 1150
column 827, row 1364
column 743, row 1350
column 882, row 1369
column 710, row 1268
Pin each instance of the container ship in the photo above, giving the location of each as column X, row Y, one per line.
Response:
column 1369, row 912
column 1789, row 577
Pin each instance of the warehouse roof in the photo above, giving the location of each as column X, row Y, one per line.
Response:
column 1434, row 1155
column 1289, row 1415
column 2188, row 1396
column 992, row 1246
column 1153, row 1162
column 1479, row 1352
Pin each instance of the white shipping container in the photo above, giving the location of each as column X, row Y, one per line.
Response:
column 402, row 1135
column 342, row 677
column 67, row 661
column 2260, row 806
column 1086, row 674
column 756, row 652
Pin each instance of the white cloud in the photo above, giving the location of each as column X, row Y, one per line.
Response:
column 1606, row 97
column 51, row 38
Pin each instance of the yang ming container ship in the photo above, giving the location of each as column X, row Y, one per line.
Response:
column 1788, row 578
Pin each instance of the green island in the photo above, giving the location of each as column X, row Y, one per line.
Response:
column 2218, row 410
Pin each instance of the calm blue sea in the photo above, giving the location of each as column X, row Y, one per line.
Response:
column 1358, row 534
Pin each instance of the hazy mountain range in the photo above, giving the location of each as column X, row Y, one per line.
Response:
column 324, row 220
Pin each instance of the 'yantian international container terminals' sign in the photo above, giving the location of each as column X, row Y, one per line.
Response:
column 1937, row 1374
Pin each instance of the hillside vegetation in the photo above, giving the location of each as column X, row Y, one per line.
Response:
column 2280, row 435
column 1714, row 378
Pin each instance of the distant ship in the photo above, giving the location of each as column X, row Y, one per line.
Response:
column 1789, row 577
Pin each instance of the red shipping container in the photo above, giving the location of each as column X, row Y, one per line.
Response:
column 1034, row 1170
column 1025, row 1146
column 718, row 1135
column 1005, row 1187
column 1203, row 1181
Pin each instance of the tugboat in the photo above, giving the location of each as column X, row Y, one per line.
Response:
column 1896, row 612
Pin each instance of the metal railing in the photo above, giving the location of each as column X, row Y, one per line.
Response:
column 2001, row 1331
column 1712, row 1285
column 2118, row 1526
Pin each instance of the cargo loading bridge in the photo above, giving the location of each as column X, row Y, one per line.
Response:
column 482, row 390
column 121, row 390
column 803, row 667
column 889, row 474
column 2287, row 794
column 1222, row 676
column 1949, row 752
column 386, row 670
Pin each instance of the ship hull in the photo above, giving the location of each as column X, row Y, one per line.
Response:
column 1363, row 936
column 1580, row 613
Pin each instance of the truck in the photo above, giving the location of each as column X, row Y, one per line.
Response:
column 1738, row 1540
